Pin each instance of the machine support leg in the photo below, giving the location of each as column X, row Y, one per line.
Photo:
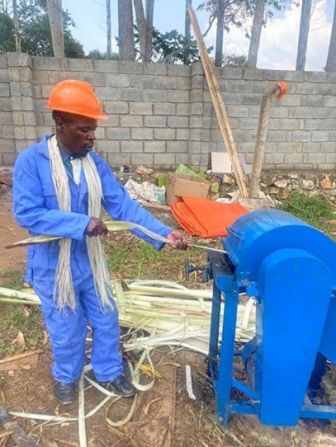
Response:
column 224, row 382
column 214, row 333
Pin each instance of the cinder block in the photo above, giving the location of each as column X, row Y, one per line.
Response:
column 130, row 67
column 164, row 160
column 328, row 147
column 237, row 111
column 156, row 69
column 8, row 159
column 196, row 134
column 119, row 159
column 4, row 75
column 155, row 146
column 131, row 94
column 317, row 158
column 119, row 107
column 5, row 105
column 178, row 121
column 178, row 96
column 3, row 61
column 6, row 119
column 181, row 158
column 311, row 147
column 164, row 109
column 106, row 66
column 46, row 63
column 142, row 134
column 183, row 109
column 118, row 134
column 117, row 80
column 155, row 121
column 330, row 158
column 7, row 145
column 313, row 101
column 80, row 65
column 272, row 157
column 178, row 70
column 330, row 101
column 131, row 121
column 141, row 108
column 161, row 82
column 293, row 158
column 131, row 146
column 301, row 136
column 7, row 132
column 320, row 136
column 142, row 159
column 109, row 94
column 183, row 83
column 177, row 146
column 279, row 112
column 182, row 134
column 155, row 95
column 290, row 147
column 108, row 146
column 277, row 135
column 164, row 134
column 141, row 81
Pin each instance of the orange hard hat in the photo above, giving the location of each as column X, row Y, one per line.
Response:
column 77, row 97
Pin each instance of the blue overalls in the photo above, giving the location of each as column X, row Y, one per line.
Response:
column 35, row 208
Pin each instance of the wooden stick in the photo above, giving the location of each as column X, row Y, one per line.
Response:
column 219, row 106
column 264, row 115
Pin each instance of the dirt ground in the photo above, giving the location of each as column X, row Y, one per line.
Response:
column 164, row 416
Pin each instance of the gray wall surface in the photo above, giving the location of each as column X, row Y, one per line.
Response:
column 161, row 115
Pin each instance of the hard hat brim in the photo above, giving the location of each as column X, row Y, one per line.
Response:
column 99, row 117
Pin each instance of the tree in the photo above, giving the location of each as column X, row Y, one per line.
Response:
column 219, row 33
column 125, row 30
column 303, row 35
column 7, row 40
column 35, row 31
column 258, row 18
column 55, row 14
column 236, row 13
column 149, row 35
column 187, row 31
column 331, row 59
column 108, row 26
column 141, row 26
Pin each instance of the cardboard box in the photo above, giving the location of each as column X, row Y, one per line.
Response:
column 182, row 185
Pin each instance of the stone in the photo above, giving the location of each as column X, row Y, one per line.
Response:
column 326, row 183
column 281, row 183
column 307, row 184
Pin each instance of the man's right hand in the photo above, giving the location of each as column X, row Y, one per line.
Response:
column 95, row 227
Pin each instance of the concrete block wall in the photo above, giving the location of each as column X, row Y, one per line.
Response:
column 161, row 115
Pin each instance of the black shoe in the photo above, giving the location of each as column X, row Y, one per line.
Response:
column 65, row 393
column 122, row 385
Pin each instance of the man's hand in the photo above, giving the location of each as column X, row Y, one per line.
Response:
column 95, row 227
column 177, row 240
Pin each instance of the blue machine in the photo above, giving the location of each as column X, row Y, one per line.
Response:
column 290, row 269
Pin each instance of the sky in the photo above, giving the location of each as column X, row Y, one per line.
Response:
column 278, row 43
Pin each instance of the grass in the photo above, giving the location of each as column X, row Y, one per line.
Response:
column 130, row 258
column 15, row 318
column 313, row 209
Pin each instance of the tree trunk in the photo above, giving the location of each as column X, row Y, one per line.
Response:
column 149, row 35
column 16, row 28
column 303, row 36
column 219, row 33
column 256, row 33
column 108, row 27
column 125, row 30
column 142, row 26
column 187, row 32
column 55, row 14
column 331, row 59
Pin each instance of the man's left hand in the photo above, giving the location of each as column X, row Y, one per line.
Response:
column 177, row 240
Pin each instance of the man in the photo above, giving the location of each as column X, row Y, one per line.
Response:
column 59, row 187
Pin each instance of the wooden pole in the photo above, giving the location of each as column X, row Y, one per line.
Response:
column 259, row 152
column 219, row 106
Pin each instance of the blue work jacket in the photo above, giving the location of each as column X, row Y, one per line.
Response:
column 35, row 208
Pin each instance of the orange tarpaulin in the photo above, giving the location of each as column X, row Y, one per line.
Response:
column 206, row 218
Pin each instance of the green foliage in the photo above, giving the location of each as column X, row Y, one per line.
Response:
column 7, row 39
column 170, row 47
column 235, row 61
column 97, row 55
column 35, row 31
column 237, row 11
column 315, row 209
